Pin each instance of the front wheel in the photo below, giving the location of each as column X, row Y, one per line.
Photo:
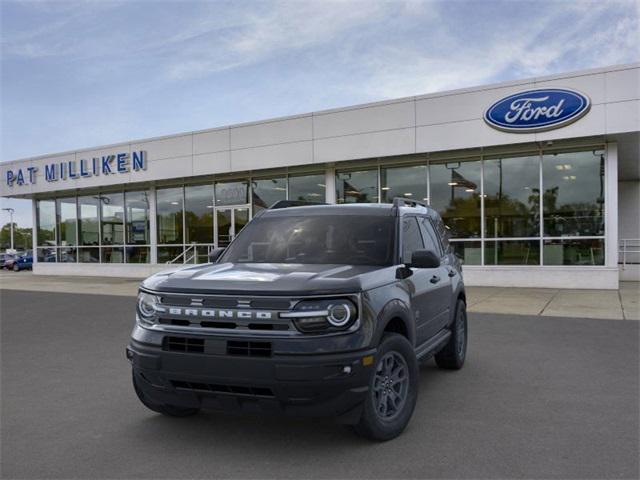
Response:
column 16, row 268
column 452, row 356
column 393, row 390
column 169, row 410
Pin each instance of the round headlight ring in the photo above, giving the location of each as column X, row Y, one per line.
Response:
column 146, row 304
column 340, row 314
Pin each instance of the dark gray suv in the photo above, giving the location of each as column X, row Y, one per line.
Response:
column 321, row 310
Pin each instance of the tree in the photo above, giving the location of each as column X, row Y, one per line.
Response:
column 21, row 237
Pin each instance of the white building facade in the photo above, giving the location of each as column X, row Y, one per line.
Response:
column 537, row 181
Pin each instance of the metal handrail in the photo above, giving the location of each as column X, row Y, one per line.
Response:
column 193, row 257
column 628, row 245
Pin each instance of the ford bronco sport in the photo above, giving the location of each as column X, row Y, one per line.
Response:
column 321, row 310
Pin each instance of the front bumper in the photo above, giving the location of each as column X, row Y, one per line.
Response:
column 303, row 384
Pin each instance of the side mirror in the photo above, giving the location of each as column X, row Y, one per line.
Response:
column 424, row 259
column 215, row 254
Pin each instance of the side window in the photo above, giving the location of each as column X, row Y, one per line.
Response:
column 444, row 234
column 411, row 238
column 431, row 241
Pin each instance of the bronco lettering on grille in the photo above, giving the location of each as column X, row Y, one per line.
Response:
column 214, row 313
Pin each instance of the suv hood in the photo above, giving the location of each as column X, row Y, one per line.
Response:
column 271, row 279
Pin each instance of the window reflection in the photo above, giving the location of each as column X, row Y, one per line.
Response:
column 469, row 253
column 407, row 182
column 112, row 218
column 512, row 252
column 137, row 218
column 67, row 213
column 512, row 197
column 137, row 254
column 357, row 187
column 232, row 193
column 198, row 213
column 267, row 191
column 307, row 188
column 46, row 218
column 89, row 255
column 574, row 252
column 169, row 206
column 455, row 194
column 88, row 227
column 573, row 198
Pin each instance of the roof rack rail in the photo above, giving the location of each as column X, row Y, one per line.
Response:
column 293, row 203
column 407, row 202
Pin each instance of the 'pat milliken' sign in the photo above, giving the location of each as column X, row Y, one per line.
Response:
column 537, row 110
column 75, row 169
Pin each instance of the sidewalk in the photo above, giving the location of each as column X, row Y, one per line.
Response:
column 623, row 304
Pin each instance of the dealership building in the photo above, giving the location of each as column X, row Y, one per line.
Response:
column 536, row 179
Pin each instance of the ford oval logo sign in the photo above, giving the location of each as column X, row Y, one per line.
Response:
column 537, row 110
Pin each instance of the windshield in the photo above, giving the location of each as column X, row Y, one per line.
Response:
column 343, row 239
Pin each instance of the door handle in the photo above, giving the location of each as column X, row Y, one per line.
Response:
column 452, row 273
column 435, row 279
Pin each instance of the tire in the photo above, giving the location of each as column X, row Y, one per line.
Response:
column 16, row 268
column 169, row 410
column 452, row 356
column 385, row 415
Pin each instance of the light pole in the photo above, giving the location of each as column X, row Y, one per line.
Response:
column 11, row 212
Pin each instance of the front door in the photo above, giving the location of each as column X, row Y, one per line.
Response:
column 229, row 222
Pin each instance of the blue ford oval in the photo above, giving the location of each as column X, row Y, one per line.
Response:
column 537, row 110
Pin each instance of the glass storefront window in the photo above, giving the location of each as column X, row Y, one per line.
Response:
column 112, row 218
column 169, row 207
column 469, row 253
column 573, row 198
column 573, row 252
column 357, row 187
column 67, row 254
column 512, row 252
column 46, row 217
column 307, row 188
column 112, row 255
column 88, row 226
column 67, row 220
column 232, row 193
column 265, row 192
column 512, row 197
column 455, row 194
column 167, row 254
column 198, row 213
column 137, row 254
column 407, row 182
column 89, row 255
column 47, row 254
column 137, row 218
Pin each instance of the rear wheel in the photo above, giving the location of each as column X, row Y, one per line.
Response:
column 452, row 356
column 169, row 410
column 393, row 390
column 16, row 268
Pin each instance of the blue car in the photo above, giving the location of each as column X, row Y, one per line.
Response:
column 23, row 262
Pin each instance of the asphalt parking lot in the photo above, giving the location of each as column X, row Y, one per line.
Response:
column 540, row 397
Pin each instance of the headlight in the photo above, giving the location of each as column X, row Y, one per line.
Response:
column 147, row 307
column 316, row 316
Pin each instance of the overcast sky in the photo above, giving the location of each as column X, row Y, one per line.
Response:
column 81, row 74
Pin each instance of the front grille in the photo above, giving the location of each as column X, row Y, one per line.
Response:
column 249, row 349
column 271, row 303
column 183, row 344
column 232, row 325
column 229, row 389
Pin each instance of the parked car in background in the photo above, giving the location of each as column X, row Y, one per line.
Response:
column 7, row 260
column 23, row 262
